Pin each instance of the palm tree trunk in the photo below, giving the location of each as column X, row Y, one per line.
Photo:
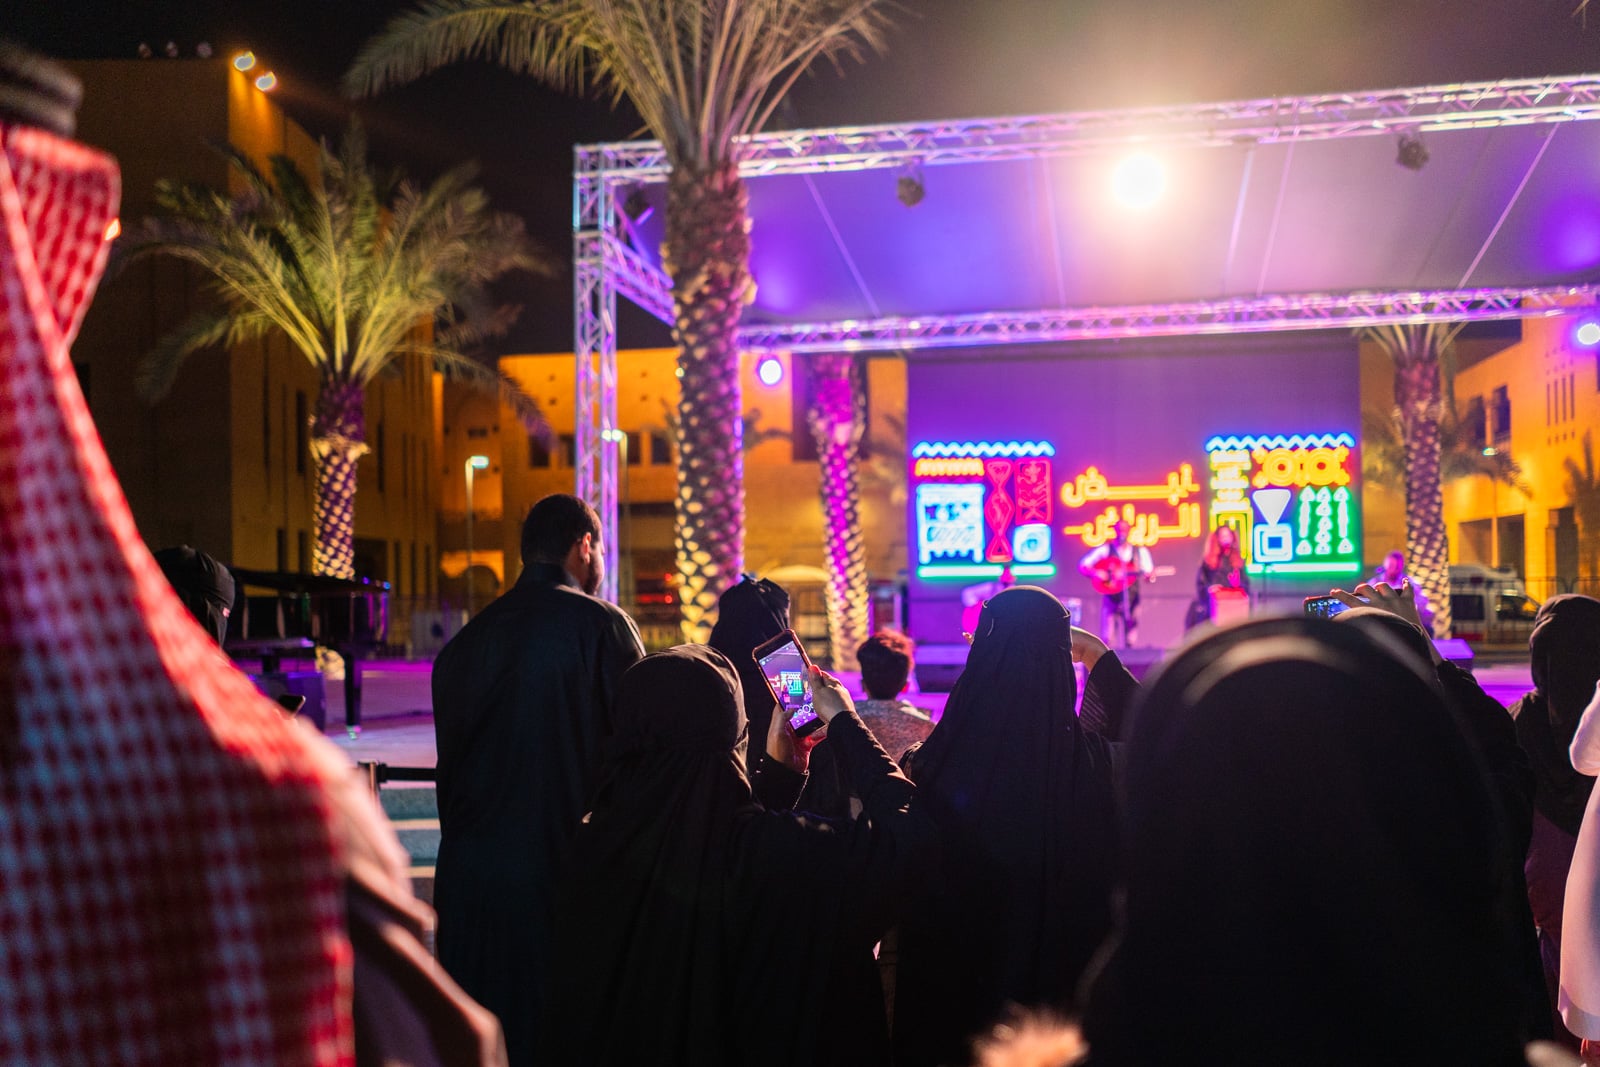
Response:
column 1417, row 394
column 837, row 422
column 338, row 441
column 707, row 256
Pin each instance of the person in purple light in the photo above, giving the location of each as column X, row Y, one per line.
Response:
column 1392, row 572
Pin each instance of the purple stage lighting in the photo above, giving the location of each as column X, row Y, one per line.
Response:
column 770, row 371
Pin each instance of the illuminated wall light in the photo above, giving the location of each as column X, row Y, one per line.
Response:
column 267, row 82
column 1587, row 334
column 113, row 229
column 770, row 371
column 244, row 61
column 1138, row 181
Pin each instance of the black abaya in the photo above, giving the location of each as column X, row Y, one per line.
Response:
column 1313, row 865
column 1023, row 799
column 749, row 615
column 698, row 929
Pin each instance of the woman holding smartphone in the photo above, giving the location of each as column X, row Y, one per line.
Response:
column 697, row 927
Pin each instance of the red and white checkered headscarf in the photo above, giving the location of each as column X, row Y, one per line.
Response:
column 170, row 884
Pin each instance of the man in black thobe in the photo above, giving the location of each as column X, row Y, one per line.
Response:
column 522, row 707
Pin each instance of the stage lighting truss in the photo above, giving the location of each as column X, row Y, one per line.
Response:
column 606, row 264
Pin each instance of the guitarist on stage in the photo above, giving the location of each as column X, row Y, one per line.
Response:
column 1116, row 568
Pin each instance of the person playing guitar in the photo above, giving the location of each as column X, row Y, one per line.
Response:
column 1115, row 570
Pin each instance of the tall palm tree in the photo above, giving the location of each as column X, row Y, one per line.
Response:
column 1583, row 489
column 837, row 417
column 347, row 264
column 1416, row 350
column 702, row 74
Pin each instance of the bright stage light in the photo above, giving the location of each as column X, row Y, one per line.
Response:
column 1587, row 334
column 770, row 371
column 244, row 61
column 267, row 82
column 1139, row 180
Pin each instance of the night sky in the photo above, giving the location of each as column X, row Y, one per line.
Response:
column 947, row 59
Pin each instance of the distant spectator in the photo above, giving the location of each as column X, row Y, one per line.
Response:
column 886, row 665
column 204, row 585
column 750, row 614
column 1392, row 572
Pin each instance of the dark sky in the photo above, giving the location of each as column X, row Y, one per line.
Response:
column 946, row 59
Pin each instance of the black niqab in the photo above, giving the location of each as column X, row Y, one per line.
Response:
column 205, row 586
column 1023, row 799
column 1564, row 653
column 696, row 928
column 1312, row 865
column 749, row 615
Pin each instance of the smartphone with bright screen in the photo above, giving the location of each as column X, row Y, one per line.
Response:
column 1326, row 607
column 786, row 669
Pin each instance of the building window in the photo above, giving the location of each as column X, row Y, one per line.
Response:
column 427, row 568
column 538, row 454
column 478, row 432
column 660, row 450
column 1500, row 415
column 569, row 450
column 283, row 549
column 379, row 456
column 1475, row 423
column 302, row 431
column 302, row 544
column 635, row 449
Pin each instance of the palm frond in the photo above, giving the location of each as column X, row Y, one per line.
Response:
column 527, row 410
column 159, row 368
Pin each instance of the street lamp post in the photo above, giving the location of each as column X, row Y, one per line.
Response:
column 474, row 463
column 1494, row 517
column 624, row 589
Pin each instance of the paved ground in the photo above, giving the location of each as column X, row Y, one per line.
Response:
column 398, row 720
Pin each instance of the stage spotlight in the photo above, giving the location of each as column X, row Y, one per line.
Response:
column 244, row 61
column 267, row 82
column 1587, row 334
column 908, row 189
column 636, row 205
column 770, row 371
column 1138, row 180
column 1412, row 154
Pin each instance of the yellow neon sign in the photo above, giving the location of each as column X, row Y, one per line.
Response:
column 1092, row 485
column 1145, row 528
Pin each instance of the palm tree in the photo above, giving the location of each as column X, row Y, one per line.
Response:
column 1583, row 489
column 348, row 264
column 837, row 417
column 702, row 74
column 1418, row 395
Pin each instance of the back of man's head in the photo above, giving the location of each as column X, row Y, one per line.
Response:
column 885, row 660
column 554, row 525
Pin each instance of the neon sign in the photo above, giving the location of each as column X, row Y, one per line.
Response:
column 1146, row 528
column 1294, row 501
column 983, row 506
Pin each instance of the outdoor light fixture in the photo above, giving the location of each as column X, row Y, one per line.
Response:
column 244, row 61
column 770, row 371
column 1587, row 334
column 1413, row 154
column 636, row 205
column 267, row 82
column 908, row 188
column 1138, row 180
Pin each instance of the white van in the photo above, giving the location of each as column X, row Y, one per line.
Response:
column 1489, row 605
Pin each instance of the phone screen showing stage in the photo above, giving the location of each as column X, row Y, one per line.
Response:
column 785, row 670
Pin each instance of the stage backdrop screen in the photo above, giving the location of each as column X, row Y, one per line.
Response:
column 1023, row 460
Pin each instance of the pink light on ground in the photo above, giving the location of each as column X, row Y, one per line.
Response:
column 770, row 371
column 1138, row 181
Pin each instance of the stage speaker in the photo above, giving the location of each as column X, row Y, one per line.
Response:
column 938, row 666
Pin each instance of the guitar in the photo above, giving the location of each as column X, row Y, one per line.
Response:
column 1112, row 576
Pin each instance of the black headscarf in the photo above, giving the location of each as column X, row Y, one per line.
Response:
column 1564, row 650
column 205, row 586
column 1312, row 865
column 748, row 615
column 1023, row 799
column 693, row 927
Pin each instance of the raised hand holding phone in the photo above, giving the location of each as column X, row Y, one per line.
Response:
column 830, row 695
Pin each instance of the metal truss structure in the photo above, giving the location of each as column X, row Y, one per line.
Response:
column 606, row 265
